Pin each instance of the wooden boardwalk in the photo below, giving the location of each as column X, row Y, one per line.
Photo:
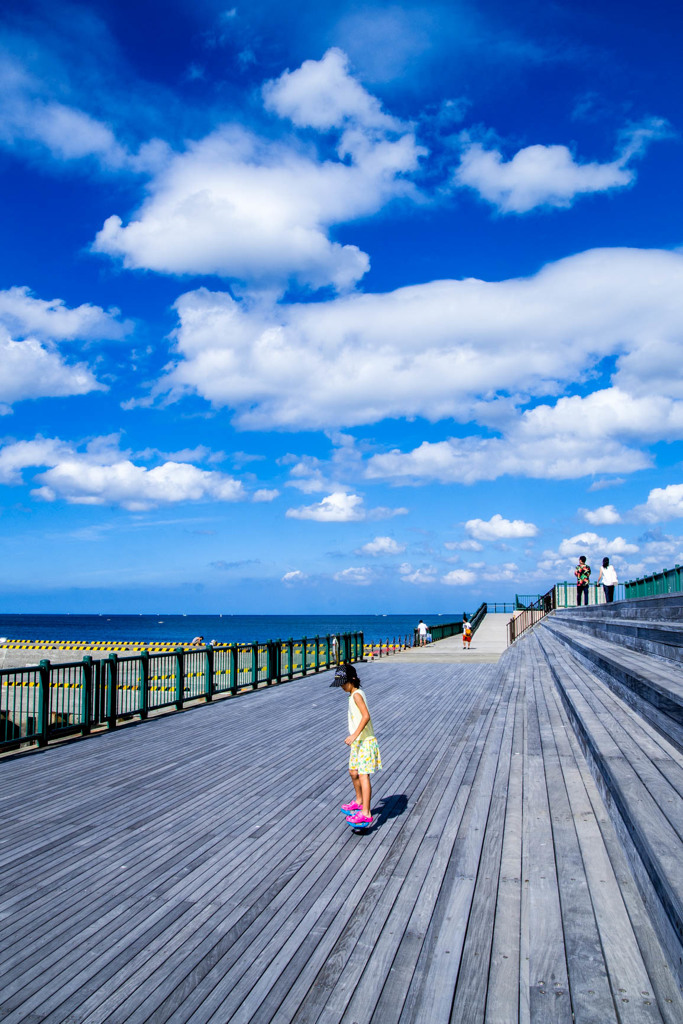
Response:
column 196, row 868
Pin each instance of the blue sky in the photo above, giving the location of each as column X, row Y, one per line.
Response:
column 376, row 307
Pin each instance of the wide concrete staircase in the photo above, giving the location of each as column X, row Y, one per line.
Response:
column 619, row 671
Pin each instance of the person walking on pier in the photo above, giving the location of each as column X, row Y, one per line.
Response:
column 583, row 577
column 364, row 759
column 466, row 633
column 422, row 633
column 608, row 575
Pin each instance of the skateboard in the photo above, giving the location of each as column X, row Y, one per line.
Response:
column 360, row 828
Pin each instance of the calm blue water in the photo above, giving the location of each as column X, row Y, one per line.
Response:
column 224, row 628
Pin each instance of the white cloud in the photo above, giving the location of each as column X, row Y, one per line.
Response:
column 338, row 507
column 357, row 575
column 79, row 481
column 463, row 545
column 417, row 576
column 356, row 360
column 507, row 571
column 548, row 175
column 31, row 328
column 25, row 314
column 265, row 494
column 295, row 576
column 588, row 542
column 662, row 503
column 32, row 369
column 458, row 577
column 383, row 546
column 19, row 455
column 496, row 528
column 260, row 211
column 322, row 94
column 342, row 507
column 605, row 515
column 103, row 475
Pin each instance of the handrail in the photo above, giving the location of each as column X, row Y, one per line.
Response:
column 528, row 617
column 668, row 581
column 49, row 701
column 441, row 630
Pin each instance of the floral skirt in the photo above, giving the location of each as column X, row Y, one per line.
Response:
column 365, row 756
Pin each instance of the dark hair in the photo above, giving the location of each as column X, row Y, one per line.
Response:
column 605, row 563
column 582, row 558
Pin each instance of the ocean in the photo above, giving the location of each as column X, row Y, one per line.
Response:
column 223, row 628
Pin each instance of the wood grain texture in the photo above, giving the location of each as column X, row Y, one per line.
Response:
column 197, row 868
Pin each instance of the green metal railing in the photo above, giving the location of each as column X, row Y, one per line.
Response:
column 668, row 581
column 565, row 594
column 443, row 629
column 42, row 703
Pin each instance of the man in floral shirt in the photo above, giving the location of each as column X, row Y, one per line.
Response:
column 583, row 577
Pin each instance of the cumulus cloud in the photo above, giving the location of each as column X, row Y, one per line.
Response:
column 136, row 488
column 295, row 576
column 103, row 475
column 260, row 211
column 265, row 494
column 426, row 574
column 497, row 527
column 548, row 175
column 357, row 575
column 458, row 577
column 463, row 545
column 322, row 94
column 662, row 503
column 23, row 313
column 585, row 543
column 342, row 507
column 33, row 369
column 339, row 507
column 31, row 330
column 356, row 360
column 383, row 546
column 603, row 516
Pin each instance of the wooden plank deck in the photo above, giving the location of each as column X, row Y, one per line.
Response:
column 196, row 868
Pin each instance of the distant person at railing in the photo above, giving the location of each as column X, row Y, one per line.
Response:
column 421, row 633
column 583, row 578
column 466, row 633
column 608, row 575
column 197, row 641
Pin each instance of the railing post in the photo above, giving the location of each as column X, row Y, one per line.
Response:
column 112, row 691
column 316, row 661
column 208, row 674
column 44, row 675
column 290, row 658
column 234, row 668
column 144, row 684
column 179, row 677
column 304, row 646
column 87, row 702
column 254, row 666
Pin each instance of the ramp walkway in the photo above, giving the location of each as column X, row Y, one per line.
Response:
column 196, row 868
column 488, row 644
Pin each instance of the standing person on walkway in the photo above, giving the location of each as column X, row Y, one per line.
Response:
column 422, row 633
column 466, row 633
column 364, row 759
column 583, row 578
column 608, row 575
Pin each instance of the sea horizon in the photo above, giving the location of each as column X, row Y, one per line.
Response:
column 223, row 628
